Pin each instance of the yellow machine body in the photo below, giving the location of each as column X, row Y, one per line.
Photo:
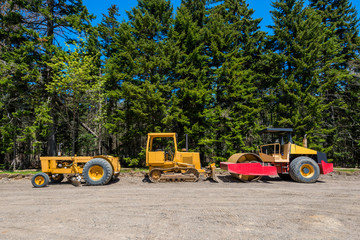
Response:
column 165, row 159
column 300, row 163
column 167, row 162
column 282, row 153
column 74, row 164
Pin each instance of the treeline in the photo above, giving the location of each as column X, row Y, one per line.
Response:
column 205, row 69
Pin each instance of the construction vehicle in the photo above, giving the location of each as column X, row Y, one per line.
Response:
column 95, row 170
column 288, row 160
column 166, row 163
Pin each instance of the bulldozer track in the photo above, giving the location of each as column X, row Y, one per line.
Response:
column 176, row 174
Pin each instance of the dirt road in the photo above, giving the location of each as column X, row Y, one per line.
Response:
column 133, row 209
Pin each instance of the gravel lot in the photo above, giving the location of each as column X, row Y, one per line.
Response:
column 135, row 209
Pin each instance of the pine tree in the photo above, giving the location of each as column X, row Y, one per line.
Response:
column 55, row 21
column 29, row 33
column 340, row 17
column 299, row 43
column 235, row 47
column 190, row 74
column 139, row 66
column 77, row 86
column 108, row 30
column 351, row 97
column 17, row 73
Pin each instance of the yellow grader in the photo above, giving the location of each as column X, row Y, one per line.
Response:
column 288, row 160
column 166, row 163
column 97, row 170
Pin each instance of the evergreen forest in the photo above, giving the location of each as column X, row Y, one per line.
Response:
column 205, row 69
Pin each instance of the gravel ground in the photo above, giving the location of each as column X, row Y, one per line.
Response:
column 135, row 209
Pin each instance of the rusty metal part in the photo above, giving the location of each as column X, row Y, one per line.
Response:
column 75, row 180
column 155, row 175
column 192, row 172
column 245, row 158
column 212, row 173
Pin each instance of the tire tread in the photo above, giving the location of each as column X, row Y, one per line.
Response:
column 295, row 169
column 47, row 180
column 108, row 171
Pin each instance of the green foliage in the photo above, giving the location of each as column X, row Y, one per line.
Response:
column 207, row 71
column 74, row 77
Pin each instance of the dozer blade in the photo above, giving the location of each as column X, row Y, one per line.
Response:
column 212, row 174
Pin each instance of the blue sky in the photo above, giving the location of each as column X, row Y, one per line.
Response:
column 261, row 7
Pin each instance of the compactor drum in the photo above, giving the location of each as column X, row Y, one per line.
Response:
column 288, row 160
column 166, row 163
column 245, row 158
column 98, row 170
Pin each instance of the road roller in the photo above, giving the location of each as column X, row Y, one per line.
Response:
column 167, row 163
column 282, row 158
column 95, row 170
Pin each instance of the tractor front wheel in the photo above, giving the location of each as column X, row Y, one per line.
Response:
column 304, row 170
column 40, row 180
column 97, row 171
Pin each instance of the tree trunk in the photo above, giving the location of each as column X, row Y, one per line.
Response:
column 75, row 133
column 51, row 150
column 14, row 152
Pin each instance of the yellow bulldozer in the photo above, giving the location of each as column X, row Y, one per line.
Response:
column 167, row 163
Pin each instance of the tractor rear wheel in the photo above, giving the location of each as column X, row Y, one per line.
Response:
column 97, row 171
column 56, row 178
column 40, row 180
column 304, row 170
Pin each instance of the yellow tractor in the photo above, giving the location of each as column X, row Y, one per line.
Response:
column 97, row 170
column 288, row 160
column 166, row 163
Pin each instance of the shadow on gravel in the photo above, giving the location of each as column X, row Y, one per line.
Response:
column 83, row 183
column 228, row 179
column 146, row 179
column 264, row 179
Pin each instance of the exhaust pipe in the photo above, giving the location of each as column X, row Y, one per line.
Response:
column 187, row 142
column 305, row 141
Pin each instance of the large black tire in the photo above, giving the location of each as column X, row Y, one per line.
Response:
column 40, row 180
column 56, row 178
column 304, row 170
column 97, row 171
column 285, row 176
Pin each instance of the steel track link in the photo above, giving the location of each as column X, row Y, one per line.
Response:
column 174, row 174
